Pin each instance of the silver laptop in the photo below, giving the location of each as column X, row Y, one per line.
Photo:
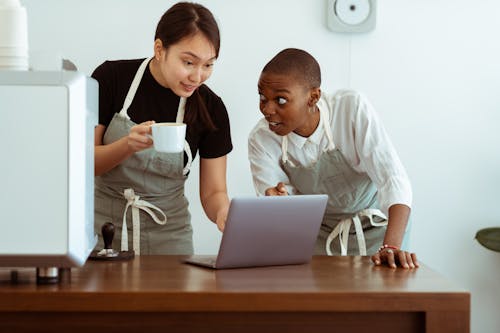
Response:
column 265, row 231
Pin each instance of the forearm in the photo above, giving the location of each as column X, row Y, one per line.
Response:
column 213, row 189
column 106, row 157
column 214, row 204
column 396, row 227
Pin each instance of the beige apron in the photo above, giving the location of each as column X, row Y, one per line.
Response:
column 352, row 200
column 148, row 189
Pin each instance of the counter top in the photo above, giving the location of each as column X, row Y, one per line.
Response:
column 162, row 284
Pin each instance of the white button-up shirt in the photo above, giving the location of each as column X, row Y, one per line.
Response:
column 357, row 132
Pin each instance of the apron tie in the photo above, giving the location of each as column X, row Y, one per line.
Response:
column 136, row 204
column 342, row 230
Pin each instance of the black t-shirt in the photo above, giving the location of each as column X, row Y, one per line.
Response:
column 155, row 102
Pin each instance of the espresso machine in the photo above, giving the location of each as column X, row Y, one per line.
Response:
column 47, row 169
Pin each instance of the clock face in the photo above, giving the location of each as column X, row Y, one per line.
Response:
column 351, row 15
column 352, row 12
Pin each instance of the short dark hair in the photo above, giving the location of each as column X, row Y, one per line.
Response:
column 298, row 63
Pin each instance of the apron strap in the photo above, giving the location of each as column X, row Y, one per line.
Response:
column 181, row 110
column 342, row 230
column 136, row 204
column 187, row 149
column 133, row 88
column 326, row 126
column 284, row 151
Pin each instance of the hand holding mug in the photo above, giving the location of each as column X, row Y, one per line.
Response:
column 138, row 138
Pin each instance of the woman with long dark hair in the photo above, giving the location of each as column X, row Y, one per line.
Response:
column 138, row 189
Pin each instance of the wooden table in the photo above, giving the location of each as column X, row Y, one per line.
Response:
column 160, row 294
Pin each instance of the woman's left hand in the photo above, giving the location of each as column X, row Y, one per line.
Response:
column 394, row 258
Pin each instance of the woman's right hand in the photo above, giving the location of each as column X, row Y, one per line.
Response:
column 279, row 189
column 139, row 137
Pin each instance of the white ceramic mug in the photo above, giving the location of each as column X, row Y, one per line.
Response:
column 169, row 137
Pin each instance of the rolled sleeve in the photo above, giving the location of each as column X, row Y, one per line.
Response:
column 264, row 152
column 379, row 159
column 397, row 190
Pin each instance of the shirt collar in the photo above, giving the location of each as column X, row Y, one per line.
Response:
column 315, row 138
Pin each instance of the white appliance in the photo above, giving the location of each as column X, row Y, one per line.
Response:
column 47, row 121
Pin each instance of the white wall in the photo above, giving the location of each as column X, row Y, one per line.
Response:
column 431, row 68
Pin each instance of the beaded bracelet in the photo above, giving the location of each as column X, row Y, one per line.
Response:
column 386, row 246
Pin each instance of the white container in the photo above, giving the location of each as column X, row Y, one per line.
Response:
column 13, row 36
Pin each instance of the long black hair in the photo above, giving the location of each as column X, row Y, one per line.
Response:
column 182, row 20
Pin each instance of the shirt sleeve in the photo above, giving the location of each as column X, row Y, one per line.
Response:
column 264, row 152
column 103, row 76
column 378, row 157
